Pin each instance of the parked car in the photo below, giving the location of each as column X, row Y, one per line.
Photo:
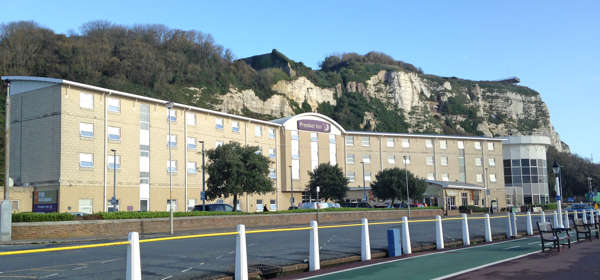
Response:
column 214, row 207
column 314, row 205
column 579, row 208
column 356, row 205
column 333, row 205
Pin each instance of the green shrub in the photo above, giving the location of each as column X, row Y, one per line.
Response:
column 472, row 208
column 41, row 217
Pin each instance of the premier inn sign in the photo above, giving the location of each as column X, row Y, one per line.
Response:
column 314, row 125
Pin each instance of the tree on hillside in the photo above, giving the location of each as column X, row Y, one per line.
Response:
column 574, row 172
column 331, row 180
column 391, row 184
column 234, row 170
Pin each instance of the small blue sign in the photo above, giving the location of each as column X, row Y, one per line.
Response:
column 571, row 199
column 558, row 197
column 202, row 196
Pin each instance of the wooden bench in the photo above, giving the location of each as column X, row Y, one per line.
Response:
column 550, row 235
column 585, row 230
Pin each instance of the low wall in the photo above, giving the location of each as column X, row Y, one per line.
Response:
column 120, row 228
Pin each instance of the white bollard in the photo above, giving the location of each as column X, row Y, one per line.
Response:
column 508, row 226
column 584, row 215
column 543, row 218
column 529, row 225
column 241, row 258
column 465, row 230
column 365, row 247
column 314, row 262
column 566, row 222
column 555, row 218
column 439, row 233
column 514, row 224
column 488, row 228
column 134, row 265
column 406, row 249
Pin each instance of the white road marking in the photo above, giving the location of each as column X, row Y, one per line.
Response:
column 187, row 269
column 48, row 276
column 168, row 277
column 107, row 261
column 511, row 247
column 219, row 257
column 201, row 263
column 231, row 252
column 79, row 268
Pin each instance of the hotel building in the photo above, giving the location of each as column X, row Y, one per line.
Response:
column 68, row 140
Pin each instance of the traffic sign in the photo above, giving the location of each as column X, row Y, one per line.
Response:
column 558, row 197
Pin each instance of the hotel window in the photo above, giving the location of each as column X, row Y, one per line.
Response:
column 390, row 142
column 257, row 130
column 493, row 178
column 331, row 139
column 406, row 159
column 392, row 159
column 366, row 159
column 332, row 150
column 171, row 115
column 349, row 140
column 350, row 159
column 258, row 151
column 86, row 130
column 86, row 101
column 218, row 144
column 271, row 133
column 272, row 152
column 191, row 143
column 365, row 141
column 405, row 143
column 477, row 161
column 430, row 176
column 191, row 167
column 114, row 133
column 86, row 160
column 190, row 118
column 492, row 161
column 367, row 176
column 171, row 166
column 296, row 169
column 477, row 145
column 219, row 123
column 461, row 145
column 444, row 160
column 235, row 126
column 111, row 162
column 114, row 105
column 314, row 137
column 272, row 174
column 429, row 160
column 294, row 135
column 443, row 144
column 295, row 153
column 172, row 141
column 428, row 144
column 490, row 146
column 479, row 178
column 445, row 177
column 350, row 176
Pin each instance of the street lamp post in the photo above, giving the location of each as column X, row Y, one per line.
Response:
column 203, row 194
column 406, row 181
column 556, row 169
column 114, row 198
column 364, row 182
column 292, row 189
column 318, row 203
column 170, row 169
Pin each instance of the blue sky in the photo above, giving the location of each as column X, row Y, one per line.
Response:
column 553, row 46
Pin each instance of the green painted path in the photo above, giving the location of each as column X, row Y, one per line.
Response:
column 442, row 264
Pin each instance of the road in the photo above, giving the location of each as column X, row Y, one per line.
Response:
column 209, row 256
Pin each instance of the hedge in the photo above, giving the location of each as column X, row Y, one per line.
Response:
column 41, row 217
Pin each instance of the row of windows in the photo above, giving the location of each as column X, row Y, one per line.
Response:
column 525, row 171
column 365, row 141
column 366, row 158
column 351, row 175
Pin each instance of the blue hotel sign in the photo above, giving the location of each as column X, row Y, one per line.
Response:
column 314, row 125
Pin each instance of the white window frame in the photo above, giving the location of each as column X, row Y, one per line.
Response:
column 271, row 133
column 445, row 177
column 443, row 144
column 235, row 126
column 272, row 153
column 367, row 177
column 493, row 178
column 477, row 145
column 350, row 159
column 392, row 159
column 190, row 118
column 390, row 142
column 114, row 128
column 194, row 168
column 91, row 157
column 171, row 115
column 478, row 161
column 492, row 161
column 110, row 158
column 170, row 168
column 114, row 104
column 191, row 143
column 430, row 176
column 314, row 137
column 490, row 146
column 172, row 140
column 429, row 160
column 405, row 143
column 428, row 143
column 351, row 176
column 220, row 143
column 258, row 131
column 406, row 160
column 366, row 158
column 461, row 145
column 219, row 123
column 272, row 174
column 365, row 141
column 83, row 127
column 349, row 140
column 444, row 160
column 479, row 178
column 86, row 100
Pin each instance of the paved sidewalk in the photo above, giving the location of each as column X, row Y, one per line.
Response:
column 579, row 262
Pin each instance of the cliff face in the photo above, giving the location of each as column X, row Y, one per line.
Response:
column 428, row 103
